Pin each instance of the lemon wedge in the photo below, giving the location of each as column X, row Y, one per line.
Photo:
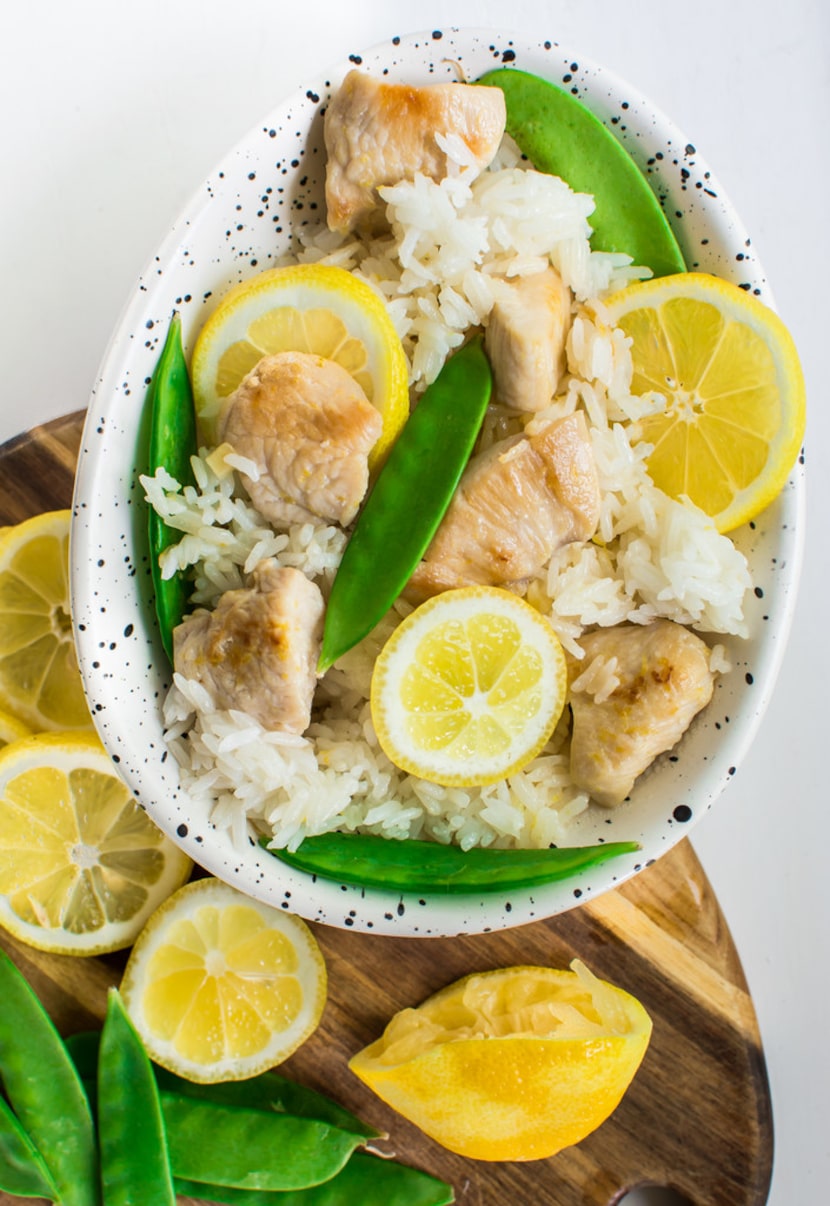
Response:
column 728, row 369
column 40, row 682
column 220, row 986
column 82, row 866
column 315, row 308
column 513, row 1064
column 469, row 688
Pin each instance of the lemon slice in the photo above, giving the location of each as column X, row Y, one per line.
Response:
column 12, row 729
column 39, row 678
column 469, row 687
column 513, row 1064
column 82, row 866
column 220, row 986
column 316, row 308
column 735, row 414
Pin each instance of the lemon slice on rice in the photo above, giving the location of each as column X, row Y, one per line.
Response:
column 315, row 308
column 468, row 689
column 728, row 369
column 82, row 866
column 221, row 986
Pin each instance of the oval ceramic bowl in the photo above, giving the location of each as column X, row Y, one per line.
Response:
column 240, row 219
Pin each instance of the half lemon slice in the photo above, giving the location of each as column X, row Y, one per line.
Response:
column 468, row 689
column 315, row 308
column 735, row 411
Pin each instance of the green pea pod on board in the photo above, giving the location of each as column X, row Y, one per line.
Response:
column 268, row 1091
column 134, row 1161
column 561, row 136
column 45, row 1092
column 365, row 1181
column 23, row 1171
column 272, row 1092
column 420, row 866
column 408, row 500
column 258, row 1149
column 172, row 443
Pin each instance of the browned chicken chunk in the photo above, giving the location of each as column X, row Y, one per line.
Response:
column 514, row 506
column 258, row 650
column 664, row 681
column 525, row 340
column 378, row 133
column 308, row 427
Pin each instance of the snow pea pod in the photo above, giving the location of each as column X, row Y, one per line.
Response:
column 408, row 500
column 172, row 443
column 134, row 1163
column 23, row 1171
column 268, row 1091
column 45, row 1091
column 367, row 1180
column 272, row 1092
column 560, row 135
column 258, row 1149
column 419, row 866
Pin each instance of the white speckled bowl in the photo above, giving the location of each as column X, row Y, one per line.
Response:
column 238, row 221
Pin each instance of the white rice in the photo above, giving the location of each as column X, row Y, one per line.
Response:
column 448, row 251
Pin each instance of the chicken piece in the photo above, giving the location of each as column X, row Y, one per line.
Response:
column 377, row 133
column 515, row 505
column 525, row 339
column 309, row 428
column 258, row 650
column 664, row 680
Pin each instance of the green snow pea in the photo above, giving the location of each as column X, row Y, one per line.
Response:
column 172, row 443
column 365, row 1180
column 134, row 1163
column 269, row 1091
column 251, row 1149
column 561, row 136
column 45, row 1091
column 418, row 866
column 408, row 501
column 23, row 1171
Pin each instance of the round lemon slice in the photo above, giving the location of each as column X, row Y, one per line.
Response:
column 316, row 308
column 513, row 1064
column 40, row 682
column 82, row 866
column 735, row 411
column 469, row 688
column 222, row 987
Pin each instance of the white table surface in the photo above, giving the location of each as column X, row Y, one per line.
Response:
column 112, row 113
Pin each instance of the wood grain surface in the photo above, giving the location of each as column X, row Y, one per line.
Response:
column 697, row 1117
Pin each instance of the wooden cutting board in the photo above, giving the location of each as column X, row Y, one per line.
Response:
column 697, row 1117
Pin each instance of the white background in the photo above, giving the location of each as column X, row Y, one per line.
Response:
column 112, row 113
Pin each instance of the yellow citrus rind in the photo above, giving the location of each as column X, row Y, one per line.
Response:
column 512, row 1064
